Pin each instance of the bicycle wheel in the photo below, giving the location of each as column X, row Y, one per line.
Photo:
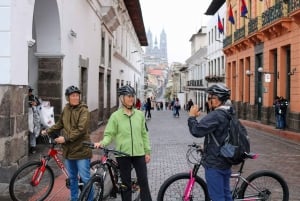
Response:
column 21, row 185
column 99, row 168
column 265, row 185
column 174, row 187
column 93, row 190
column 135, row 188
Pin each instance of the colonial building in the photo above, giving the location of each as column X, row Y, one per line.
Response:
column 262, row 57
column 50, row 45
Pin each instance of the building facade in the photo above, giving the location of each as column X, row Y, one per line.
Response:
column 50, row 45
column 262, row 61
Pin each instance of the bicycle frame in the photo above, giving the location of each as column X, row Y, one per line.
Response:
column 39, row 172
column 237, row 176
column 111, row 166
column 191, row 182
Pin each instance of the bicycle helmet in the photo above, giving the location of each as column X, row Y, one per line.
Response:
column 219, row 90
column 72, row 89
column 126, row 90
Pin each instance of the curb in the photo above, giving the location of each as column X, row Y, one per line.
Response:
column 290, row 135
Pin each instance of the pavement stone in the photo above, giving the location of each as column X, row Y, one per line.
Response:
column 279, row 151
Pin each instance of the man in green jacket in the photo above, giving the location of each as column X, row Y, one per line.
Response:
column 74, row 126
column 127, row 128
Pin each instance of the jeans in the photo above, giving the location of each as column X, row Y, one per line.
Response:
column 218, row 184
column 78, row 167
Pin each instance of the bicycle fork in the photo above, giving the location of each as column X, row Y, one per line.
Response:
column 189, row 187
column 38, row 173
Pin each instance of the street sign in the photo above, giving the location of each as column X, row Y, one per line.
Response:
column 267, row 77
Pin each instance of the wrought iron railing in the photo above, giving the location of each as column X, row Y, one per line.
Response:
column 275, row 12
column 293, row 5
column 239, row 33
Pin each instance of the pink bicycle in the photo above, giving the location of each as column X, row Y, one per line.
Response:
column 261, row 185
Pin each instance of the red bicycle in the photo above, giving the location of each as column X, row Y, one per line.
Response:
column 35, row 179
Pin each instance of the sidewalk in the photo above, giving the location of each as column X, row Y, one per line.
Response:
column 61, row 193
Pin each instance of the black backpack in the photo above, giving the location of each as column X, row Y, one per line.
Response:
column 236, row 143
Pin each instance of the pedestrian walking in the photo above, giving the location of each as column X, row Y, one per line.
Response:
column 217, row 168
column 148, row 108
column 176, row 108
column 74, row 126
column 127, row 128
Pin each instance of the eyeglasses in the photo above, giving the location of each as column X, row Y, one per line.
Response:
column 209, row 98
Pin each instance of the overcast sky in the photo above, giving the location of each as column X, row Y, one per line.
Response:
column 179, row 19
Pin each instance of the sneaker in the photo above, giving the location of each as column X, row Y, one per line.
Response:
column 32, row 150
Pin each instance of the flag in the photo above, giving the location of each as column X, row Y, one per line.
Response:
column 244, row 9
column 220, row 25
column 230, row 18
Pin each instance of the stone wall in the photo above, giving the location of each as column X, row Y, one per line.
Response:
column 13, row 129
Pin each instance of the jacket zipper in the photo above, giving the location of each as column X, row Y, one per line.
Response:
column 131, row 135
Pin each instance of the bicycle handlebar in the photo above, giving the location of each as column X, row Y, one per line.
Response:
column 197, row 146
column 106, row 150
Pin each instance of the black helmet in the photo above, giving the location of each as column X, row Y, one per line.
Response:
column 30, row 89
column 72, row 89
column 219, row 90
column 126, row 90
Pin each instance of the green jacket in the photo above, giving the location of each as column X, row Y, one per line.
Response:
column 128, row 132
column 74, row 124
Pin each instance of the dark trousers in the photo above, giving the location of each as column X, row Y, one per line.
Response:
column 139, row 164
column 148, row 113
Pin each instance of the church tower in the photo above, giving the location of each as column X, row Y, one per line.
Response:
column 163, row 45
column 150, row 42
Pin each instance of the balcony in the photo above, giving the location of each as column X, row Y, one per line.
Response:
column 227, row 41
column 294, row 9
column 214, row 78
column 274, row 13
column 195, row 83
column 239, row 33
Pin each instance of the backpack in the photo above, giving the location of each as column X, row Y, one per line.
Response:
column 236, row 143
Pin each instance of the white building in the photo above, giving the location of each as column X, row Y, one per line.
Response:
column 197, row 68
column 215, row 55
column 50, row 45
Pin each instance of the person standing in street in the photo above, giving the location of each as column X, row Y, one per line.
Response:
column 176, row 108
column 138, row 104
column 189, row 105
column 283, row 108
column 276, row 105
column 34, row 119
column 127, row 128
column 217, row 169
column 148, row 108
column 74, row 126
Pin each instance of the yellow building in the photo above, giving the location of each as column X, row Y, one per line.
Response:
column 262, row 49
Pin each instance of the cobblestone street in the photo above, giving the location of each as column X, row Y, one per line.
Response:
column 170, row 137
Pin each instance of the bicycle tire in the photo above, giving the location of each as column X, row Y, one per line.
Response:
column 99, row 168
column 271, row 183
column 95, row 185
column 21, row 188
column 173, row 188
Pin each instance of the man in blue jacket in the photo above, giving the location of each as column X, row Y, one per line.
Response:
column 217, row 169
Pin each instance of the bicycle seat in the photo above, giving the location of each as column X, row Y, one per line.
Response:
column 251, row 155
